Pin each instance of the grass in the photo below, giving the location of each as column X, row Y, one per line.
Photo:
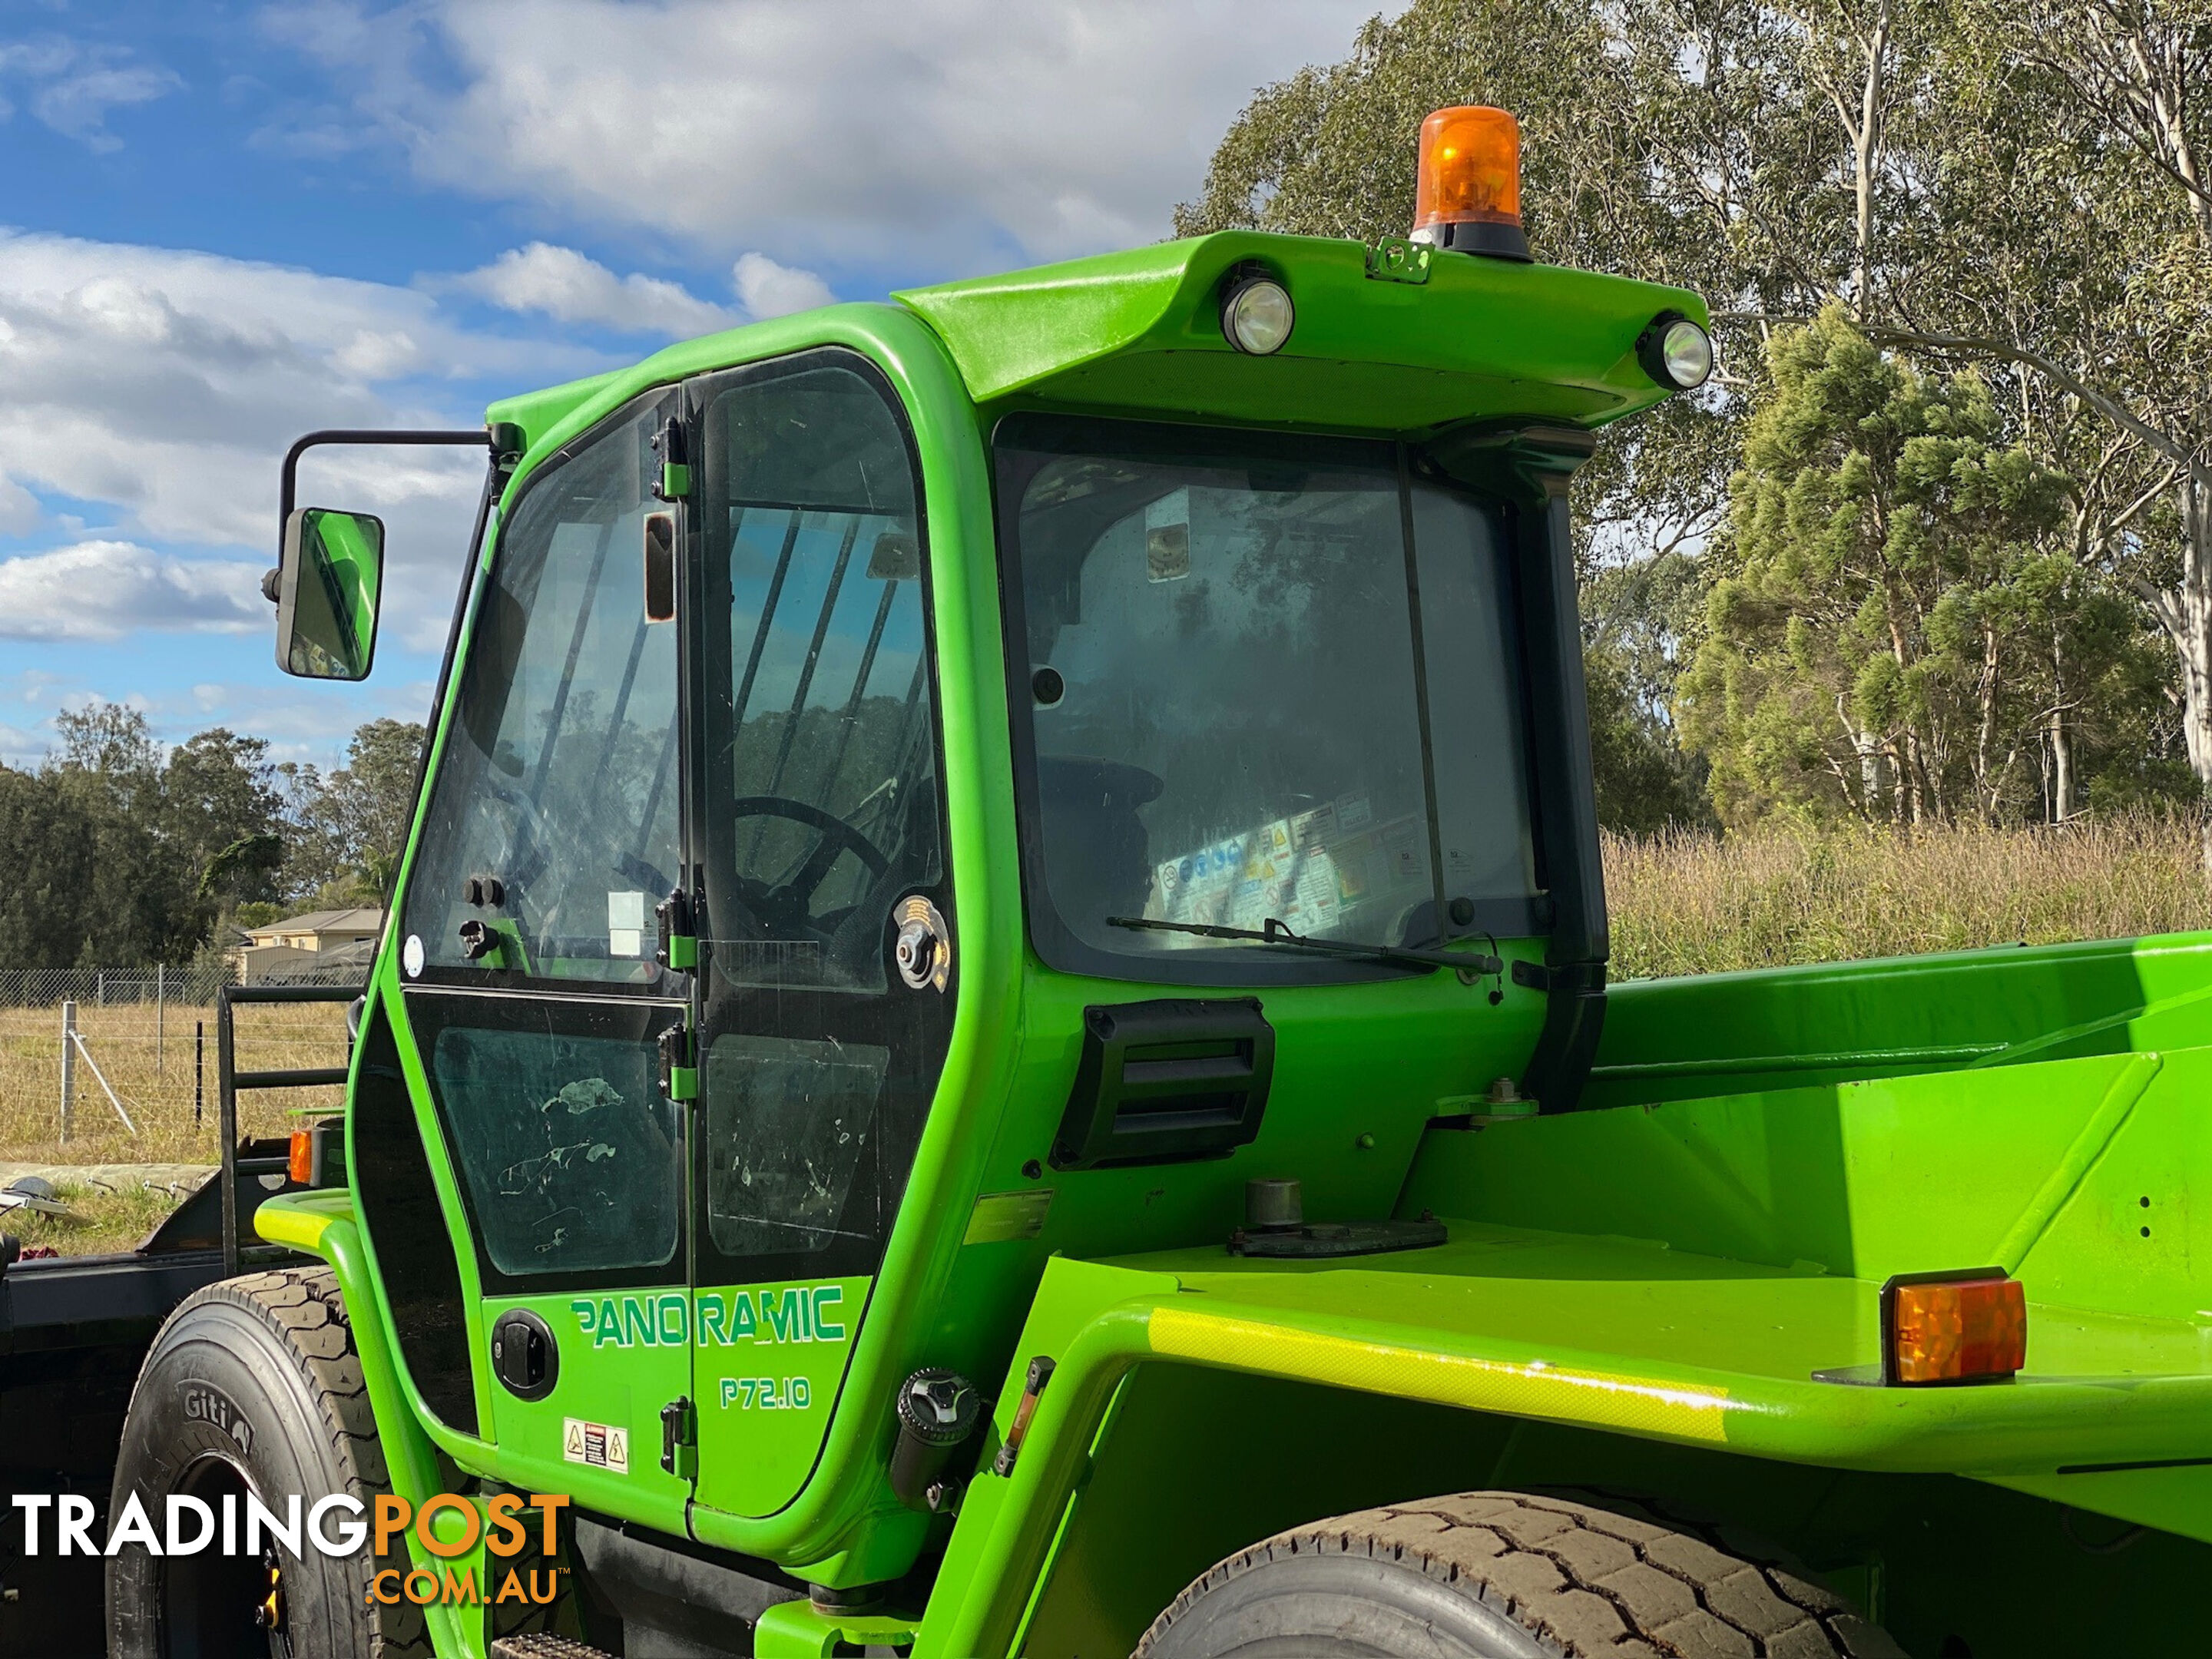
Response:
column 1694, row 903
column 102, row 1218
column 154, row 1077
column 150, row 1066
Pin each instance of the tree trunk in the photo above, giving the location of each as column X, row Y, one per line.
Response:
column 1866, row 153
column 2185, row 613
column 2061, row 767
column 1986, row 726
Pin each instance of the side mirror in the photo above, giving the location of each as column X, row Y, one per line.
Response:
column 326, row 589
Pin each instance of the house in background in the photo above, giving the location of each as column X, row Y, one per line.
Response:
column 322, row 944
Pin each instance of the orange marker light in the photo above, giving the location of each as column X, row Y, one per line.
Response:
column 1957, row 1328
column 301, row 1166
column 1468, row 195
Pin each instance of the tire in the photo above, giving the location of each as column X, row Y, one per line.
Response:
column 252, row 1385
column 1501, row 1575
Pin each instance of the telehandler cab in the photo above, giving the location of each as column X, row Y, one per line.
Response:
column 994, row 1038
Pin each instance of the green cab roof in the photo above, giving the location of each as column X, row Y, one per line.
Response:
column 1139, row 333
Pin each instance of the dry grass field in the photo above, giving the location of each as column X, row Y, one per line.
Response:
column 1704, row 904
column 154, row 1079
column 149, row 1063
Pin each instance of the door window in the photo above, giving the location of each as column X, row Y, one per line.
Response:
column 571, row 1155
column 553, row 825
column 816, row 818
column 788, row 1121
column 823, row 807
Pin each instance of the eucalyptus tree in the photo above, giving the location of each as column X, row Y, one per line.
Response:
column 2019, row 192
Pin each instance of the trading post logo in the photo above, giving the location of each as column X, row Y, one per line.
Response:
column 448, row 1526
column 504, row 1535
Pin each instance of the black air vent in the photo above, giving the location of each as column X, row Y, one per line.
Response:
column 1166, row 1081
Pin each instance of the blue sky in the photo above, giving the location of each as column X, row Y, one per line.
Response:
column 222, row 225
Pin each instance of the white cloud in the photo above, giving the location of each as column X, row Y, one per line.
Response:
column 75, row 85
column 954, row 132
column 169, row 383
column 166, row 386
column 102, row 590
column 572, row 288
column 766, row 289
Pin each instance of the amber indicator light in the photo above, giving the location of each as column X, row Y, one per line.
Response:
column 1952, row 1328
column 302, row 1165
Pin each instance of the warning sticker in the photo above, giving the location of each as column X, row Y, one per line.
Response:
column 600, row 1445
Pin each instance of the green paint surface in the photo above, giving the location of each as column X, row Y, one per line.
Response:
column 767, row 1362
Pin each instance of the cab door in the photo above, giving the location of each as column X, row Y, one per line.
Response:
column 817, row 825
column 532, row 991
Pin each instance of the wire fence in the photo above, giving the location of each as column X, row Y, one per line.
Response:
column 132, row 1053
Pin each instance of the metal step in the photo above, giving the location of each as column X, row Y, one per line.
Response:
column 541, row 1646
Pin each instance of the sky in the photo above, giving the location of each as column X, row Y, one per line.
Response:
column 223, row 225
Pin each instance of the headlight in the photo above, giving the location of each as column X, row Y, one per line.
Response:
column 1675, row 352
column 1257, row 315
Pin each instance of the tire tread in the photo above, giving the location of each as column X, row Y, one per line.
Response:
column 1556, row 1564
column 302, row 1307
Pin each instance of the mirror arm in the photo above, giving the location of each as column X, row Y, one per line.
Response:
column 287, row 491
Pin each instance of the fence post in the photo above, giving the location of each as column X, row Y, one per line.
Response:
column 200, row 1070
column 226, row 1100
column 102, row 984
column 161, row 1010
column 69, row 1064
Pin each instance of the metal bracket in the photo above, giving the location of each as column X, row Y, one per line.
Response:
column 1394, row 259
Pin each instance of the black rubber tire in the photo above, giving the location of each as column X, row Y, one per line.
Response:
column 1501, row 1575
column 253, row 1384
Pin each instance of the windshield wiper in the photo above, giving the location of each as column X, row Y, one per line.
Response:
column 1273, row 932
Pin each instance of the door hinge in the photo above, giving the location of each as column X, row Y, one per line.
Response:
column 679, row 1064
column 679, row 1438
column 680, row 933
column 674, row 483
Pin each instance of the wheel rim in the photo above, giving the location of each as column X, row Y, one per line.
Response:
column 216, row 1606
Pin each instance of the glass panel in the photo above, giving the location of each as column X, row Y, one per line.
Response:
column 1220, row 656
column 786, row 1122
column 559, row 778
column 568, row 1148
column 821, row 808
column 1475, row 703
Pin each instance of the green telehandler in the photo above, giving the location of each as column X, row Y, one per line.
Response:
column 994, row 1038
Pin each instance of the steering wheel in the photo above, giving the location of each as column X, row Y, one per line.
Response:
column 790, row 905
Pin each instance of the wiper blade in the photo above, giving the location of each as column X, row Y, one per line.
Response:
column 1274, row 931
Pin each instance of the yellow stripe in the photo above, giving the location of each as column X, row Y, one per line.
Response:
column 1638, row 1404
column 301, row 1228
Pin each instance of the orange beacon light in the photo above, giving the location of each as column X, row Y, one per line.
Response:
column 1469, row 197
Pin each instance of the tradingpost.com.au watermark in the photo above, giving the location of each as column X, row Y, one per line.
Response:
column 339, row 1525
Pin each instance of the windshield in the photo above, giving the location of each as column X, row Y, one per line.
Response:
column 1266, row 678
